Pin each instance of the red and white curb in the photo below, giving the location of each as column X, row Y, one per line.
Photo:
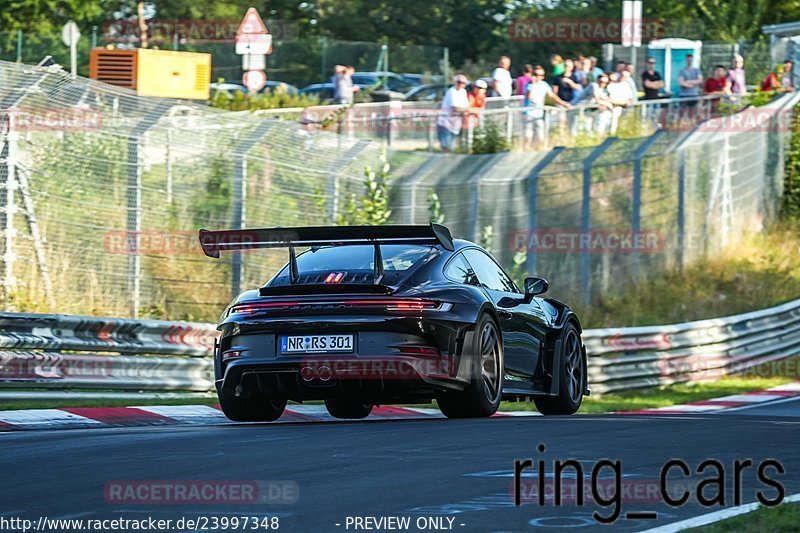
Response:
column 725, row 402
column 184, row 415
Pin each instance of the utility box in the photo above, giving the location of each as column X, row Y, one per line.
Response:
column 162, row 73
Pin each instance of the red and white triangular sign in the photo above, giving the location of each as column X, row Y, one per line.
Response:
column 251, row 23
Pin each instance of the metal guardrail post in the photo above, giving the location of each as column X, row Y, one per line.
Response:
column 240, row 196
column 533, row 196
column 134, row 203
column 334, row 175
column 637, row 193
column 586, row 213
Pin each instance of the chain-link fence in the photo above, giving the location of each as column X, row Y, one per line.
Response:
column 102, row 193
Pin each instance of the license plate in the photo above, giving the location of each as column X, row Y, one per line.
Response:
column 317, row 344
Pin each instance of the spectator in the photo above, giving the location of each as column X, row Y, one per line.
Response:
column 596, row 71
column 558, row 65
column 773, row 80
column 346, row 88
column 501, row 78
column 477, row 96
column 535, row 97
column 651, row 80
column 718, row 83
column 337, row 80
column 564, row 85
column 630, row 76
column 477, row 101
column 786, row 79
column 454, row 106
column 524, row 80
column 619, row 90
column 689, row 80
column 736, row 76
column 620, row 67
column 605, row 107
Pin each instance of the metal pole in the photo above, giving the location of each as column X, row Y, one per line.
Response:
column 19, row 46
column 94, row 36
column 533, row 197
column 637, row 193
column 9, row 232
column 134, row 220
column 446, row 66
column 586, row 214
column 169, row 165
column 324, row 54
column 73, row 52
column 681, row 208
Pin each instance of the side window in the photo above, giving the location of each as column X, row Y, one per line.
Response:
column 489, row 273
column 459, row 271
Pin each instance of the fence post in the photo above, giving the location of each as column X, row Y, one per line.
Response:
column 636, row 215
column 134, row 202
column 240, row 195
column 94, row 36
column 168, row 164
column 446, row 66
column 19, row 46
column 681, row 208
column 586, row 213
column 533, row 196
column 334, row 175
column 324, row 59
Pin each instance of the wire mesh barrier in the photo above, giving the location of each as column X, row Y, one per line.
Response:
column 54, row 353
column 102, row 193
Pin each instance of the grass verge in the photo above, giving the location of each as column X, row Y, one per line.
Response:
column 780, row 519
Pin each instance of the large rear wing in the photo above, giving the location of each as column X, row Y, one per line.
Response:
column 214, row 242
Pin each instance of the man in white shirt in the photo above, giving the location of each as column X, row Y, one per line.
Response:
column 536, row 94
column 502, row 83
column 454, row 106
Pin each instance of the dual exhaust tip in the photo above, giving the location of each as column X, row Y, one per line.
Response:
column 310, row 373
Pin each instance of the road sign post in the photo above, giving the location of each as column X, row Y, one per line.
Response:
column 253, row 43
column 70, row 35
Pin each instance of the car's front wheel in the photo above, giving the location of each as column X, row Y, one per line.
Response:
column 482, row 396
column 572, row 377
column 348, row 408
column 250, row 408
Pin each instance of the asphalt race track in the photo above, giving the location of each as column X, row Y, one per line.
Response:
column 459, row 469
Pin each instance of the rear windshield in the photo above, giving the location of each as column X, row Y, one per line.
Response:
column 355, row 264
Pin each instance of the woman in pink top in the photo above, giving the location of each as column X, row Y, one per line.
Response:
column 524, row 80
column 736, row 76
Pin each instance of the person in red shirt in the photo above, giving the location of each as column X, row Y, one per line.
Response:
column 719, row 83
column 477, row 101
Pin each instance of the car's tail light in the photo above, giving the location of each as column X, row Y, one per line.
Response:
column 395, row 305
column 231, row 354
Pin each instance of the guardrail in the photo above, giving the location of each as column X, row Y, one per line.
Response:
column 44, row 351
column 61, row 352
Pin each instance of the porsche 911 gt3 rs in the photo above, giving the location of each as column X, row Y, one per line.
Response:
column 371, row 315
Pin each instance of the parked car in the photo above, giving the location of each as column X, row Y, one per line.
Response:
column 429, row 92
column 269, row 86
column 323, row 91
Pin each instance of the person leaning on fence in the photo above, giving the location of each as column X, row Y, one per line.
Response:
column 536, row 94
column 605, row 107
column 786, row 79
column 477, row 101
column 689, row 80
column 620, row 94
column 717, row 85
column 736, row 76
column 454, row 106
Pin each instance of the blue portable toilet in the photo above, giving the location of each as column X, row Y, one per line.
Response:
column 670, row 56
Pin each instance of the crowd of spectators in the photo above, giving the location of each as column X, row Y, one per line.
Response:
column 579, row 81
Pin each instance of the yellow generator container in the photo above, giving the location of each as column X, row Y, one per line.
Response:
column 154, row 72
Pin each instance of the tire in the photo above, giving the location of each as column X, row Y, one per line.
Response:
column 481, row 398
column 348, row 408
column 253, row 408
column 572, row 377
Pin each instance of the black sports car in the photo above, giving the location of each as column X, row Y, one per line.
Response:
column 372, row 315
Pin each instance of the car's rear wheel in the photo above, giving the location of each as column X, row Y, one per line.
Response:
column 250, row 408
column 482, row 396
column 572, row 377
column 348, row 408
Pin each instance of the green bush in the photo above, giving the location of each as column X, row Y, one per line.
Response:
column 489, row 139
column 791, row 186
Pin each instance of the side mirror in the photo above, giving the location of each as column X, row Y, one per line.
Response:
column 535, row 287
